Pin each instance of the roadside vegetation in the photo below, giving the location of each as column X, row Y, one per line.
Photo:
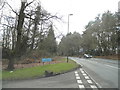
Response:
column 29, row 34
column 113, row 57
column 39, row 71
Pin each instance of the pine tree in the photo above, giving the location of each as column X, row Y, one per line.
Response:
column 51, row 41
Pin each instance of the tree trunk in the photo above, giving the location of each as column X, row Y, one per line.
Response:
column 11, row 61
column 18, row 43
column 10, row 64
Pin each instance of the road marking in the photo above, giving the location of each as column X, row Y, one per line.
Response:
column 79, row 81
column 76, row 72
column 81, row 69
column 93, row 86
column 112, row 66
column 86, row 77
column 89, row 81
column 84, row 74
column 81, row 86
column 78, row 77
column 94, row 81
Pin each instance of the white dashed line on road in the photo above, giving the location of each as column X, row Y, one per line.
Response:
column 89, row 81
column 79, row 81
column 82, row 77
column 81, row 69
column 76, row 72
column 93, row 86
column 84, row 74
column 95, row 81
column 78, row 77
column 86, row 77
column 81, row 86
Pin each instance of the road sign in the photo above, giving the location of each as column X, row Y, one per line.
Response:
column 46, row 59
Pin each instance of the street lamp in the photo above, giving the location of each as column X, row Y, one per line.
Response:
column 68, row 21
column 68, row 33
column 24, row 1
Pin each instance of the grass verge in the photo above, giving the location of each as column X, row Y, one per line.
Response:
column 38, row 71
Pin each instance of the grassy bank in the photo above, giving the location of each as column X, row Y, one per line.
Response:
column 38, row 71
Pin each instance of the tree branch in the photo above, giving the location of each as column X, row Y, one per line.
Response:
column 12, row 8
column 29, row 3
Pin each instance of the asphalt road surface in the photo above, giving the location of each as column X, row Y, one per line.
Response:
column 95, row 73
column 103, row 71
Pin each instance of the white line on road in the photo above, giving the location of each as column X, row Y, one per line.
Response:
column 112, row 66
column 81, row 69
column 86, row 77
column 79, row 81
column 81, row 86
column 76, row 72
column 93, row 86
column 84, row 74
column 106, row 65
column 89, row 81
column 94, row 81
column 78, row 77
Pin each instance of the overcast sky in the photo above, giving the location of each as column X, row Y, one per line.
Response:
column 83, row 11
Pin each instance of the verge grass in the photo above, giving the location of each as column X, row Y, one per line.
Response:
column 38, row 71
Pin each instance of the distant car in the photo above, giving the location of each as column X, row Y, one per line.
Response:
column 87, row 56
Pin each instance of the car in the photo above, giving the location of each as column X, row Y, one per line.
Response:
column 87, row 56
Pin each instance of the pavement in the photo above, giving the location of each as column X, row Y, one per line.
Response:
column 95, row 73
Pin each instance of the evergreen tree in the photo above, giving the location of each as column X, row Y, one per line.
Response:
column 49, row 43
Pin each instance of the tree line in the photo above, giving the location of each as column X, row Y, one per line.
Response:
column 27, row 32
column 101, row 37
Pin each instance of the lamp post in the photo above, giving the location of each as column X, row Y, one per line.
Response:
column 24, row 1
column 68, row 33
column 68, row 21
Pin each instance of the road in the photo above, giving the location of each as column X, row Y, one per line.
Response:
column 103, row 71
column 95, row 73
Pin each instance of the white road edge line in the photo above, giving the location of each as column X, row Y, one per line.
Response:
column 94, row 81
column 107, row 65
column 112, row 66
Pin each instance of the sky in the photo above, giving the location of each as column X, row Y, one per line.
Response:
column 83, row 11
